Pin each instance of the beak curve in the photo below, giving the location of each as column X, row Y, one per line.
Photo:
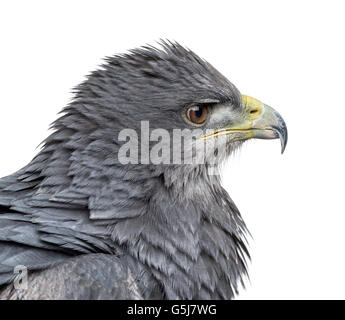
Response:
column 270, row 125
column 258, row 121
column 282, row 133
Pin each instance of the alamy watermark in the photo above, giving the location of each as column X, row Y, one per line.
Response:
column 21, row 277
column 177, row 146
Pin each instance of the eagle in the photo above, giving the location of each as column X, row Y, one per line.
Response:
column 84, row 222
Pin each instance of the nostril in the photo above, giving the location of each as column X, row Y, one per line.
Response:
column 254, row 111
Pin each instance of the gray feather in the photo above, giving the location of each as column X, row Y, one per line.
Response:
column 139, row 231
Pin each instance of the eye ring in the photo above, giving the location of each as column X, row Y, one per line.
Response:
column 197, row 114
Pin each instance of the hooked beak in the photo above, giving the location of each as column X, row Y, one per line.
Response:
column 259, row 121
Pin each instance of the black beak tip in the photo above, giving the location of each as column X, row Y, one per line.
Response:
column 283, row 141
column 282, row 134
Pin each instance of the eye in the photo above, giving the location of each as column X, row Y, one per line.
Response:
column 197, row 114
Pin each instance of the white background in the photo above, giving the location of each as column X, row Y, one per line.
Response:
column 289, row 54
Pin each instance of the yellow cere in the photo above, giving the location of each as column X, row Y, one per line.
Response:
column 253, row 108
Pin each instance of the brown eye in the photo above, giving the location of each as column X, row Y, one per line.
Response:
column 197, row 114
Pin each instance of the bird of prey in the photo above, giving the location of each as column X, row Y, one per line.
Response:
column 87, row 225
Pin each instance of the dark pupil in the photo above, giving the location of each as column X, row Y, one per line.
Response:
column 198, row 112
